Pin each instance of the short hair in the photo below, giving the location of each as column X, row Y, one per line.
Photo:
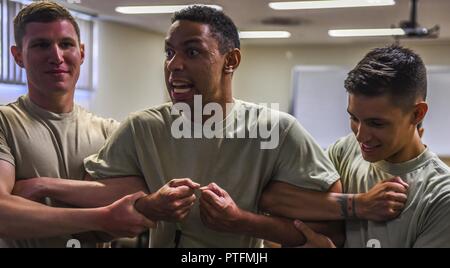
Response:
column 222, row 27
column 391, row 70
column 41, row 11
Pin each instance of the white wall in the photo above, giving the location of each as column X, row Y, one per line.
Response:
column 265, row 72
column 130, row 70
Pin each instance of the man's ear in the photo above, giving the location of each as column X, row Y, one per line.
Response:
column 420, row 111
column 17, row 54
column 82, row 52
column 232, row 61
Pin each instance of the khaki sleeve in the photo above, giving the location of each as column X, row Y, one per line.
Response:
column 302, row 162
column 118, row 157
column 112, row 126
column 335, row 153
column 5, row 150
column 435, row 230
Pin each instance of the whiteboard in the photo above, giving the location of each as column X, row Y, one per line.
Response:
column 320, row 104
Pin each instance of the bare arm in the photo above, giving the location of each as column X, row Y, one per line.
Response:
column 333, row 229
column 86, row 193
column 21, row 218
column 219, row 212
column 283, row 231
column 383, row 202
column 287, row 200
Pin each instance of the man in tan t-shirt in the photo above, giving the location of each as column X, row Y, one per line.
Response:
column 387, row 102
column 44, row 134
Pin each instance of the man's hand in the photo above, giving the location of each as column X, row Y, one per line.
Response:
column 218, row 211
column 31, row 189
column 122, row 220
column 172, row 202
column 385, row 201
column 313, row 239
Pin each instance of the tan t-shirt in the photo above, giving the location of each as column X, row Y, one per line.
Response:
column 425, row 221
column 144, row 146
column 40, row 143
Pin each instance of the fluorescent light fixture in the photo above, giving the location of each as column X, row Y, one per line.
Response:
column 366, row 32
column 264, row 34
column 329, row 4
column 156, row 9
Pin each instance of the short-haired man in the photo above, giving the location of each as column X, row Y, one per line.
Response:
column 45, row 134
column 387, row 92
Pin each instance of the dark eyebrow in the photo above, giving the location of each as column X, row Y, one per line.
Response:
column 194, row 40
column 38, row 40
column 65, row 39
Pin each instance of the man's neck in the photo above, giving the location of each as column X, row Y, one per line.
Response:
column 55, row 103
column 411, row 151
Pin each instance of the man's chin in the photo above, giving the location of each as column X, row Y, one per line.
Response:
column 188, row 101
column 371, row 158
column 61, row 87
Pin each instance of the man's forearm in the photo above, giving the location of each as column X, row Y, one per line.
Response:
column 283, row 231
column 90, row 194
column 21, row 219
column 289, row 201
column 274, row 229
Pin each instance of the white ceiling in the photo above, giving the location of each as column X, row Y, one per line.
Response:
column 248, row 14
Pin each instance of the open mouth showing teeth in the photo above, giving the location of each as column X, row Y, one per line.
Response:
column 181, row 87
column 181, row 90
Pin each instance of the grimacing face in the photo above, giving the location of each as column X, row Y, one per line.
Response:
column 51, row 55
column 194, row 64
column 383, row 130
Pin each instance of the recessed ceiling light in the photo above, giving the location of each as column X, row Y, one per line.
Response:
column 156, row 9
column 264, row 34
column 329, row 4
column 366, row 32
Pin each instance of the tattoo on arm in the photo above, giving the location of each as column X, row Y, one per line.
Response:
column 348, row 206
column 342, row 200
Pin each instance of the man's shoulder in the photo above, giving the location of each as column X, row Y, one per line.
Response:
column 436, row 192
column 11, row 108
column 13, row 111
column 347, row 143
column 438, row 175
column 95, row 120
column 159, row 115
column 344, row 151
column 152, row 113
column 268, row 112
